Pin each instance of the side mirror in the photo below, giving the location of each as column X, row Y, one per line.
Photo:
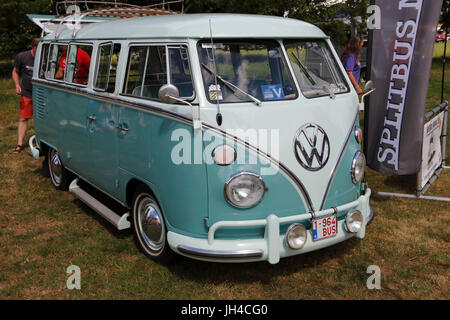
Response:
column 369, row 87
column 168, row 93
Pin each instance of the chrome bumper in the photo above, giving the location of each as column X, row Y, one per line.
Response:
column 202, row 253
column 272, row 247
column 35, row 151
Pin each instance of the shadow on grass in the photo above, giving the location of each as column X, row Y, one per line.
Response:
column 405, row 184
column 42, row 171
column 118, row 234
column 217, row 273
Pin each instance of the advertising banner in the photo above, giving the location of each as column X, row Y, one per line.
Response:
column 401, row 57
column 431, row 150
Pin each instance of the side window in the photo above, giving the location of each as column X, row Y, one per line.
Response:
column 108, row 58
column 148, row 71
column 77, row 70
column 57, row 62
column 43, row 67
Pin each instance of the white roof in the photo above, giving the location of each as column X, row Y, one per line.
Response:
column 197, row 26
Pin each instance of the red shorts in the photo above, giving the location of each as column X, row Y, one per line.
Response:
column 26, row 108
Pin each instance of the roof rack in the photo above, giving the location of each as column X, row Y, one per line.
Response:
column 124, row 12
column 115, row 9
column 84, row 12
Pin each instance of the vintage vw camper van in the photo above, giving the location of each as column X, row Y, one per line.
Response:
column 222, row 137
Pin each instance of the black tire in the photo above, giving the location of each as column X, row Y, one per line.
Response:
column 59, row 176
column 149, row 226
column 45, row 171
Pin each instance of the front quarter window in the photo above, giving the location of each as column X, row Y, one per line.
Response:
column 315, row 68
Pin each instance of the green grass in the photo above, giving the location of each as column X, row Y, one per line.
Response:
column 439, row 50
column 43, row 231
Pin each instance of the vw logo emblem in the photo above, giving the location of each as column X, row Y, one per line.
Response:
column 311, row 147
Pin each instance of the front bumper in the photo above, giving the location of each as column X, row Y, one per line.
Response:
column 273, row 246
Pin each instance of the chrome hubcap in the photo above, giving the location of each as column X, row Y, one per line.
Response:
column 151, row 225
column 55, row 167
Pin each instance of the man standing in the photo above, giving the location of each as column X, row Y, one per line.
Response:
column 23, row 67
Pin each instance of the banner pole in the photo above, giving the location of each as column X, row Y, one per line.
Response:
column 444, row 139
column 444, row 59
column 368, row 77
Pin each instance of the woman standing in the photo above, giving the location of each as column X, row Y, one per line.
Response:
column 350, row 59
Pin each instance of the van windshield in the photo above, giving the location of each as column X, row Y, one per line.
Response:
column 236, row 71
column 315, row 68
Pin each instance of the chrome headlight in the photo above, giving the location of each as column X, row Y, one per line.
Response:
column 296, row 236
column 354, row 221
column 358, row 167
column 244, row 189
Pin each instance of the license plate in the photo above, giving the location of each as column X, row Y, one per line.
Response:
column 324, row 227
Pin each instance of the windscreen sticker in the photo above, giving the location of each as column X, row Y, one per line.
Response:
column 342, row 86
column 215, row 93
column 272, row 92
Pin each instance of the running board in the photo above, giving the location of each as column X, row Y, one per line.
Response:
column 120, row 222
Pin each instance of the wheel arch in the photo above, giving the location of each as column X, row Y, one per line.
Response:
column 43, row 147
column 131, row 188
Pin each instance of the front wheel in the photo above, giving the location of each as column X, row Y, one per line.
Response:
column 149, row 226
column 58, row 174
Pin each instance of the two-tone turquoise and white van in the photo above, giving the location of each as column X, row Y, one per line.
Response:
column 226, row 137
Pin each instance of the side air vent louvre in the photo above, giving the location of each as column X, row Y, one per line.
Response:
column 40, row 102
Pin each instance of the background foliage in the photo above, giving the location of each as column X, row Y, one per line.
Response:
column 16, row 30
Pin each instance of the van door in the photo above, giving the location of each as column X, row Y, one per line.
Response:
column 68, row 109
column 102, row 137
column 149, row 138
column 102, row 123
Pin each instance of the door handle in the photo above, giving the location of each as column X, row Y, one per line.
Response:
column 91, row 118
column 122, row 128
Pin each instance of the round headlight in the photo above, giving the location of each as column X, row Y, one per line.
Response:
column 358, row 167
column 354, row 221
column 244, row 189
column 224, row 155
column 296, row 236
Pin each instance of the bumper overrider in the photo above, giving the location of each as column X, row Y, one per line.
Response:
column 273, row 246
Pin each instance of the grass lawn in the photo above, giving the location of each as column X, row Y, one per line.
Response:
column 43, row 231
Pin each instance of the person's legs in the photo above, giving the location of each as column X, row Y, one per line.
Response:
column 26, row 112
column 22, row 130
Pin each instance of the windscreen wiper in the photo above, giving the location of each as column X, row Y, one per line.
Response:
column 305, row 71
column 231, row 86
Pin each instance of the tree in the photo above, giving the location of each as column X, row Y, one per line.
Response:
column 318, row 12
column 16, row 30
column 445, row 16
column 266, row 7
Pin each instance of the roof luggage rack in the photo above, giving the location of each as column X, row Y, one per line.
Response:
column 117, row 9
column 84, row 12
